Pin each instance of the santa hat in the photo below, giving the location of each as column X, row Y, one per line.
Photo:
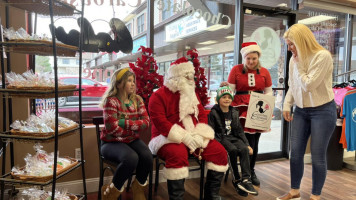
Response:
column 249, row 47
column 222, row 91
column 180, row 68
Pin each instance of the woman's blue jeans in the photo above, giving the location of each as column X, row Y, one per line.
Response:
column 318, row 123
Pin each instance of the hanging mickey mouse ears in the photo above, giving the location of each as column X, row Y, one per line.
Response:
column 122, row 35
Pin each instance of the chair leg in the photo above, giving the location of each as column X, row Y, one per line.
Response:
column 157, row 174
column 202, row 170
column 101, row 180
column 150, row 185
column 128, row 184
column 227, row 175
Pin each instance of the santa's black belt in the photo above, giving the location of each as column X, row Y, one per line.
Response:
column 247, row 92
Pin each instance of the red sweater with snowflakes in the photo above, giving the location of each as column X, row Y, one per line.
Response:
column 123, row 122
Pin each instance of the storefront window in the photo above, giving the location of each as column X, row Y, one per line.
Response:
column 167, row 13
column 228, row 64
column 329, row 30
column 353, row 52
column 96, row 68
column 207, row 28
column 140, row 23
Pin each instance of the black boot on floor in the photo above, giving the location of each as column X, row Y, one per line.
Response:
column 176, row 189
column 212, row 185
column 254, row 179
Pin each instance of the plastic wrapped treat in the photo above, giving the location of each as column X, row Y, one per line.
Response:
column 38, row 194
column 40, row 164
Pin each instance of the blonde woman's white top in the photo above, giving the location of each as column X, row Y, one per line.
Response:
column 310, row 86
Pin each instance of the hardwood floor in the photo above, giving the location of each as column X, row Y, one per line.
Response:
column 275, row 181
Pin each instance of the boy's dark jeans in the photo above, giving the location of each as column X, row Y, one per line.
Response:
column 236, row 147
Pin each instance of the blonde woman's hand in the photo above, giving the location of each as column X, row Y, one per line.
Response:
column 287, row 116
column 224, row 83
column 250, row 150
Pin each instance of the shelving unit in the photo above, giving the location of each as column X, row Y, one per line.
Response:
column 51, row 8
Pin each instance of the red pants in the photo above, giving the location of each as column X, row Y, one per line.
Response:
column 176, row 158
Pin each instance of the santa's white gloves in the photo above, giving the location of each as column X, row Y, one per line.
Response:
column 191, row 142
column 198, row 139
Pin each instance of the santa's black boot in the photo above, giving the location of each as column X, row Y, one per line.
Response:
column 176, row 189
column 212, row 185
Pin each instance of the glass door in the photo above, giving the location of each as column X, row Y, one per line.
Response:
column 267, row 27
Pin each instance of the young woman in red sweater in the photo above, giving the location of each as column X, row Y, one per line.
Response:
column 125, row 116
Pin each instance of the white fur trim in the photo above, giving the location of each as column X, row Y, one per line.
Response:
column 218, row 168
column 146, row 182
column 176, row 134
column 205, row 143
column 176, row 173
column 180, row 69
column 251, row 48
column 188, row 123
column 204, row 130
column 157, row 142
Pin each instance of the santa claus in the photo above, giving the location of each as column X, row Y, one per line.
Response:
column 179, row 127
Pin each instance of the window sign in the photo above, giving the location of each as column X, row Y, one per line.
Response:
column 184, row 27
column 270, row 44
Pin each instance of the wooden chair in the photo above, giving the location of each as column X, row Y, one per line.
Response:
column 230, row 168
column 97, row 121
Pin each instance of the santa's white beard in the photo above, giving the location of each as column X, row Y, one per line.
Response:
column 188, row 102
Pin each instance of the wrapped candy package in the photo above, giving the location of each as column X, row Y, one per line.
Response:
column 42, row 125
column 39, row 167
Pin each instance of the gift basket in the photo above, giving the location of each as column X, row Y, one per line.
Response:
column 39, row 167
column 42, row 126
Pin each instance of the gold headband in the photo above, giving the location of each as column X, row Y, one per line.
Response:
column 121, row 73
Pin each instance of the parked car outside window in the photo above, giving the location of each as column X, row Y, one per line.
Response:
column 92, row 93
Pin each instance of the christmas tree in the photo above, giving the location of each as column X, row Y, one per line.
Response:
column 147, row 78
column 199, row 77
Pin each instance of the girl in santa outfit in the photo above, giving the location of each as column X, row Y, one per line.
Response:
column 125, row 116
column 244, row 79
column 179, row 127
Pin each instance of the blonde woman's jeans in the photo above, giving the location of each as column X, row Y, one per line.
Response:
column 319, row 124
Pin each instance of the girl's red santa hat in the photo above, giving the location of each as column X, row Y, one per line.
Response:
column 180, row 68
column 249, row 47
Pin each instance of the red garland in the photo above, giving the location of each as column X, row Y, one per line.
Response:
column 147, row 77
column 199, row 77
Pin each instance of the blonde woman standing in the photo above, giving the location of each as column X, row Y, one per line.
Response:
column 125, row 116
column 310, row 89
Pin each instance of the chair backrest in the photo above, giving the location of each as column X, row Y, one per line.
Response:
column 97, row 121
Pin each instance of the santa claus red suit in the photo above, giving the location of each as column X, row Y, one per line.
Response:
column 179, row 127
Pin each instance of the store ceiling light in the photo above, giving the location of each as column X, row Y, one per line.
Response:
column 208, row 42
column 203, row 48
column 316, row 19
column 233, row 36
column 215, row 27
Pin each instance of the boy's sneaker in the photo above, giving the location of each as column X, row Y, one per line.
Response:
column 254, row 179
column 247, row 186
column 238, row 190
